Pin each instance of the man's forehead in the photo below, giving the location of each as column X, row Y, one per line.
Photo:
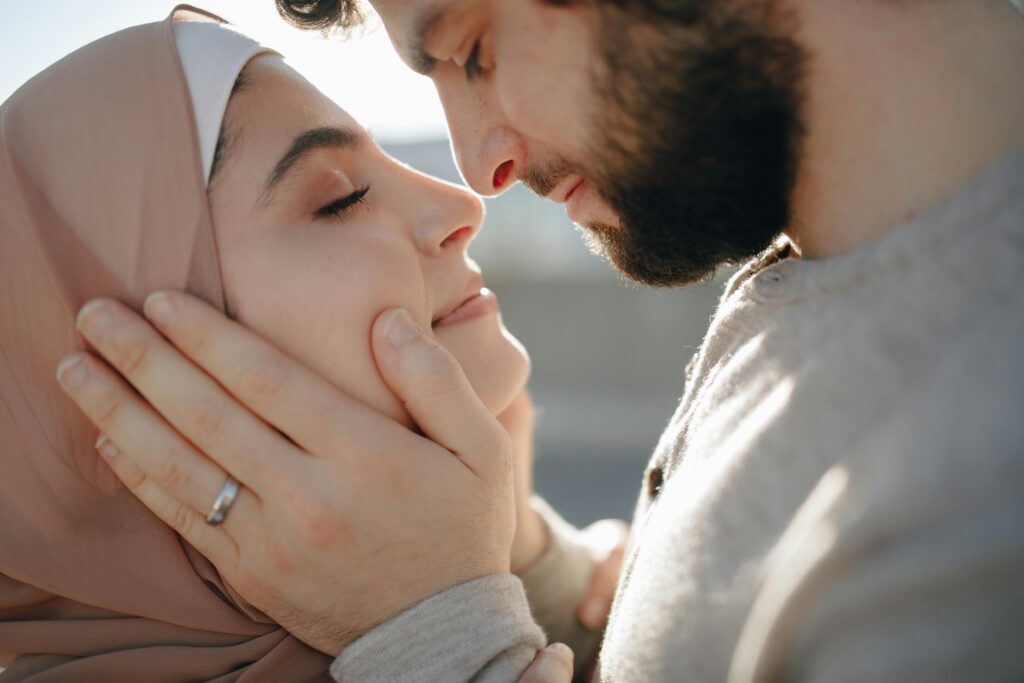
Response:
column 410, row 22
column 405, row 17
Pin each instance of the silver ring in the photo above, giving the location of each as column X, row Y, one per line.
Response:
column 225, row 499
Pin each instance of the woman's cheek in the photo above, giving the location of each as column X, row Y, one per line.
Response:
column 347, row 361
column 496, row 364
column 327, row 330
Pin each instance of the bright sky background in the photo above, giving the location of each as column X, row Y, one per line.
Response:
column 363, row 74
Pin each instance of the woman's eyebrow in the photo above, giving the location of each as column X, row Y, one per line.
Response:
column 318, row 138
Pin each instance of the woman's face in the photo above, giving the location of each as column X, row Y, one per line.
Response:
column 319, row 231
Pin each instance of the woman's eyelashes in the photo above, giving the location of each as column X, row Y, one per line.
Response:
column 340, row 207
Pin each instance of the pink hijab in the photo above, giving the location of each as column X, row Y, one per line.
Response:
column 102, row 193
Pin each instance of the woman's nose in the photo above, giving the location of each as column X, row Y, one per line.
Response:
column 449, row 219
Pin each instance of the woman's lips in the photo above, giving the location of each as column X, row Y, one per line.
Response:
column 481, row 304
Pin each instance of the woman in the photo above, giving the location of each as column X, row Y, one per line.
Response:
column 126, row 169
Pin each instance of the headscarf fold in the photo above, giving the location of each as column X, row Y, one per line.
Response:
column 212, row 55
column 102, row 193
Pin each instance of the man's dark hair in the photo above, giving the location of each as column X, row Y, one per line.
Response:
column 331, row 15
column 321, row 15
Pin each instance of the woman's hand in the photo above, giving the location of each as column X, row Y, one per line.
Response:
column 607, row 542
column 519, row 420
column 606, row 539
column 345, row 518
column 553, row 664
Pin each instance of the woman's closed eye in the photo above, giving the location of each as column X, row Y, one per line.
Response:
column 340, row 207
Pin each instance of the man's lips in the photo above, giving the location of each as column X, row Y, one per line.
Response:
column 576, row 200
column 583, row 204
column 564, row 189
column 482, row 302
column 574, row 190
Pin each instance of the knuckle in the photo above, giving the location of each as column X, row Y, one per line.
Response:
column 107, row 404
column 179, row 518
column 264, row 379
column 320, row 528
column 133, row 357
column 132, row 477
column 194, row 339
column 319, row 532
column 205, row 421
column 171, row 475
column 279, row 561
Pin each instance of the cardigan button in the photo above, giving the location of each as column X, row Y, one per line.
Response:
column 654, row 479
column 775, row 284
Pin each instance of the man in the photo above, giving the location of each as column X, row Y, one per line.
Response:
column 837, row 495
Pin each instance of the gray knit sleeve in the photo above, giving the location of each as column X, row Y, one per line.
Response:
column 555, row 585
column 479, row 631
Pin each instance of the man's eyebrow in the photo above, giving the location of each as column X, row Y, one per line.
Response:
column 318, row 138
column 419, row 59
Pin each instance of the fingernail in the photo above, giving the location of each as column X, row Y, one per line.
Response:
column 106, row 447
column 562, row 650
column 401, row 328
column 94, row 319
column 159, row 308
column 71, row 372
column 593, row 613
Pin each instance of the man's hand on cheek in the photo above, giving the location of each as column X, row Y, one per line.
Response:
column 344, row 518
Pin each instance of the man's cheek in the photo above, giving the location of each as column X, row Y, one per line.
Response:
column 544, row 111
column 525, row 102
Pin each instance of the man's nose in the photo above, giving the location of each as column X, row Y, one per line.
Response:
column 490, row 160
column 489, row 150
column 448, row 217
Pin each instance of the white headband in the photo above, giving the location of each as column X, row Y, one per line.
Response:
column 212, row 55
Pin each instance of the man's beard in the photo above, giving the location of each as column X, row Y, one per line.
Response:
column 698, row 138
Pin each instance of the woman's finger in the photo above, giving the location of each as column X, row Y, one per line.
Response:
column 553, row 664
column 186, row 396
column 148, row 441
column 597, row 602
column 213, row 542
column 607, row 539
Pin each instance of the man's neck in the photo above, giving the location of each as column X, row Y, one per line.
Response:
column 906, row 103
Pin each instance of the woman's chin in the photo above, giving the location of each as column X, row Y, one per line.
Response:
column 495, row 362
